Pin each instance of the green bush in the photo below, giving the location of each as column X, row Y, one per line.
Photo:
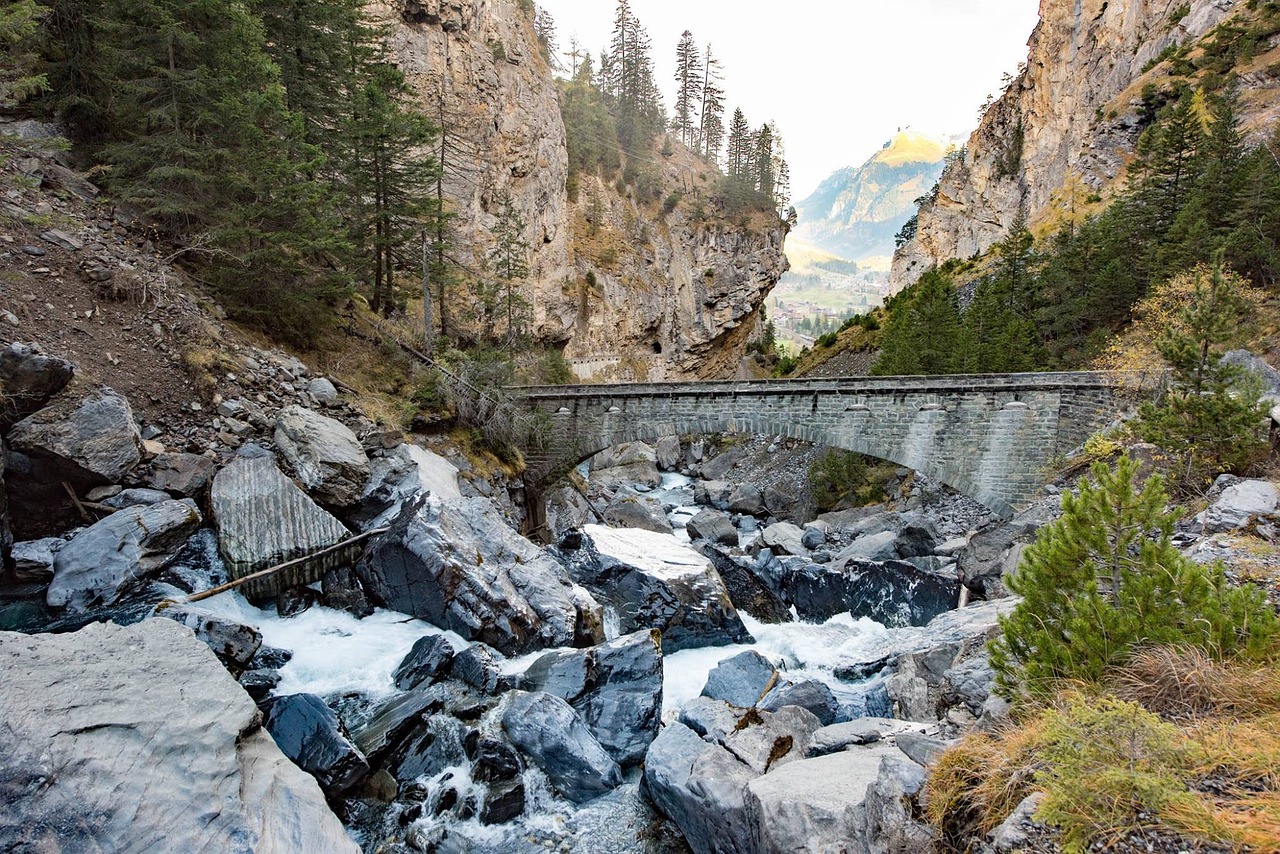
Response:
column 838, row 476
column 1105, row 579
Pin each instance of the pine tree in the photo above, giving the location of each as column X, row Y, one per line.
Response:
column 1106, row 578
column 689, row 83
column 19, row 77
column 544, row 28
column 1211, row 414
column 711, row 128
column 509, row 259
column 762, row 163
column 739, row 151
column 922, row 334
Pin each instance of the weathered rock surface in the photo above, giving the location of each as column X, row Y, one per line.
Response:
column 252, row 489
column 764, row 741
column 714, row 527
column 616, row 687
column 94, row 437
column 639, row 512
column 741, row 680
column 136, row 739
column 668, row 453
column 895, row 593
column 654, row 581
column 425, row 662
column 116, row 553
column 459, row 566
column 748, row 590
column 700, row 787
column 324, row 454
column 551, row 733
column 310, row 734
column 33, row 560
column 1240, row 503
column 397, row 476
column 29, row 379
column 479, row 666
column 185, row 474
column 234, row 643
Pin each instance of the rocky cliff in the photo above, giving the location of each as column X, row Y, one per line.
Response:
column 1071, row 118
column 670, row 299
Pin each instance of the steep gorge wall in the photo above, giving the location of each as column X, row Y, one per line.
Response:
column 1076, row 106
column 652, row 312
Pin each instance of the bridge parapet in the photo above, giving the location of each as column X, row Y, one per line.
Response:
column 993, row 437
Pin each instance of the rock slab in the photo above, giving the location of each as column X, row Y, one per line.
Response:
column 95, row 437
column 324, row 454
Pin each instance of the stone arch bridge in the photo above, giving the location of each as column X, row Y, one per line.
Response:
column 992, row 436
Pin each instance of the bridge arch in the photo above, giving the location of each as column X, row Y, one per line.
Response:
column 992, row 437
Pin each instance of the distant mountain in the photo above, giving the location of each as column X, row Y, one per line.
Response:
column 855, row 213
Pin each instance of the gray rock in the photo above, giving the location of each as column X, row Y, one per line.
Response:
column 741, row 680
column 811, row 695
column 654, row 581
column 623, row 455
column 396, row 720
column 818, row 804
column 747, row 499
column 29, row 379
column 637, row 511
column 6, row 532
column 397, row 476
column 252, row 489
column 616, row 687
column 342, row 590
column 259, row 684
column 629, row 476
column 718, row 468
column 459, row 566
column 1255, row 365
column 837, row 737
column 1240, row 503
column 969, row 683
column 435, row 746
column 480, row 667
column 152, row 700
column 62, row 240
column 983, row 560
column 700, row 787
column 782, row 499
column 785, row 538
column 428, row 660
column 310, row 734
column 567, row 510
column 324, row 454
column 323, row 391
column 714, row 720
column 712, row 493
column 814, row 537
column 893, row 593
column 1012, row 834
column 551, row 733
column 185, row 474
column 748, row 589
column 114, row 554
column 94, row 437
column 873, row 547
column 33, row 560
column 917, row 537
column 891, row 806
column 764, row 741
column 668, row 453
column 712, row 526
column 234, row 643
column 127, row 498
column 922, row 749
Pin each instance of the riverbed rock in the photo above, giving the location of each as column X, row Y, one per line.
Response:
column 311, row 735
column 567, row 510
column 668, row 453
column 135, row 739
column 252, row 489
column 184, row 474
column 741, row 680
column 879, row 547
column 821, row 804
column 234, row 643
column 917, row 537
column 113, row 555
column 479, row 666
column 1239, row 504
column 342, row 590
column 717, row 468
column 894, row 593
column 94, row 439
column 33, row 559
column 428, row 660
column 748, row 590
column 782, row 499
column 837, row 737
column 747, row 499
column 784, row 538
column 458, row 565
column 137, row 497
column 764, row 740
column 639, row 512
column 551, row 733
column 700, row 787
column 616, row 687
column 397, row 476
column 654, row 581
column 714, row 720
column 6, row 532
column 712, row 493
column 714, row 527
column 29, row 379
column 323, row 453
column 434, row 746
column 625, row 454
column 812, row 695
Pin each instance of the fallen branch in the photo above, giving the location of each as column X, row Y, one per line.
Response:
column 232, row 585
column 84, row 514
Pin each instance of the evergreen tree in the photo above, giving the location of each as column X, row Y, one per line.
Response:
column 590, row 131
column 689, row 83
column 1211, row 414
column 628, row 84
column 1106, row 578
column 544, row 29
column 762, row 163
column 19, row 77
column 922, row 334
column 711, row 128
column 739, row 151
column 509, row 259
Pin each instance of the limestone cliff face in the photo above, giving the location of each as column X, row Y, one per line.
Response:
column 648, row 309
column 1073, row 114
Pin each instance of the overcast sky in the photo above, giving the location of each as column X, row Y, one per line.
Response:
column 838, row 76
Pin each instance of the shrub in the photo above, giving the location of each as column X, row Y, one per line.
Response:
column 839, row 475
column 1105, row 579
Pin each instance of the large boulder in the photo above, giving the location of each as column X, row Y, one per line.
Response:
column 639, row 512
column 457, row 565
column 714, row 527
column 28, row 379
column 700, row 787
column 748, row 590
column 784, row 538
column 426, row 661
column 1239, row 504
column 895, row 593
column 551, row 733
column 567, row 510
column 764, row 740
column 400, row 475
column 653, row 581
column 33, row 559
column 624, row 466
column 668, row 453
column 135, row 739
column 879, row 547
column 323, row 453
column 833, row 803
column 748, row 680
column 311, row 735
column 93, row 439
column 616, row 687
column 114, row 554
column 746, row 499
column 184, row 474
column 252, row 489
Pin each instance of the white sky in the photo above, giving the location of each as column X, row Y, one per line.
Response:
column 838, row 76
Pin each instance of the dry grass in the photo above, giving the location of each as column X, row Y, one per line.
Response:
column 1185, row 683
column 978, row 783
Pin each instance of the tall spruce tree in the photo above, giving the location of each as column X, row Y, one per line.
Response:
column 509, row 260
column 711, row 128
column 922, row 334
column 738, row 152
column 689, row 83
